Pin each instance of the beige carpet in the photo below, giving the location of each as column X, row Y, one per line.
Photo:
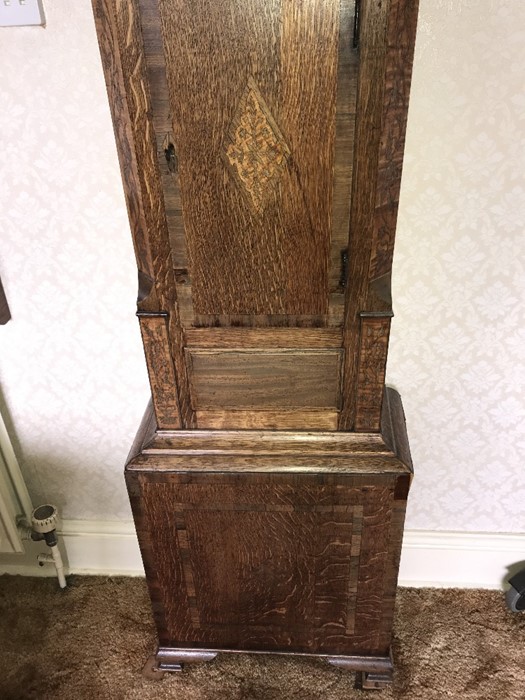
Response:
column 91, row 640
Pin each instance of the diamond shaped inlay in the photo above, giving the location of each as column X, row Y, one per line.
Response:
column 254, row 149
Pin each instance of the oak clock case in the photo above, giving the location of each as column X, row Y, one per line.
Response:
column 261, row 147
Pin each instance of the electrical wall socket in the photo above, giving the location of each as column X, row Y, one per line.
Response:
column 21, row 13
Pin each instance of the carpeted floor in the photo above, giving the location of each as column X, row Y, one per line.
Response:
column 91, row 640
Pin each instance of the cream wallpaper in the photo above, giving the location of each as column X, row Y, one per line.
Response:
column 72, row 371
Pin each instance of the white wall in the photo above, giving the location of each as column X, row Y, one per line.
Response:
column 72, row 370
column 457, row 352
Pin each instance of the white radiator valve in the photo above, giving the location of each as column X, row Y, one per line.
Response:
column 44, row 522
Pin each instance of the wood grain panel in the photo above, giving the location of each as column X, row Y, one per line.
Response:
column 161, row 371
column 262, row 554
column 371, row 373
column 268, row 546
column 162, row 559
column 395, row 542
column 400, row 40
column 247, row 259
column 373, row 26
column 384, row 225
column 393, row 427
column 338, row 545
column 272, row 379
column 122, row 51
column 309, row 58
column 348, row 66
column 374, row 569
column 161, row 119
column 277, row 565
column 353, row 578
column 293, row 419
column 104, row 11
column 185, row 549
column 264, row 338
column 387, row 36
column 166, row 152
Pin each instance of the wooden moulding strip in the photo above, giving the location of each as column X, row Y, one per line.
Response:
column 107, row 31
column 360, row 465
column 371, row 81
column 257, row 442
column 122, row 48
column 386, row 53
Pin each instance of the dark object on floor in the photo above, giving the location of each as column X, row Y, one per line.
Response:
column 5, row 314
column 515, row 596
column 90, row 642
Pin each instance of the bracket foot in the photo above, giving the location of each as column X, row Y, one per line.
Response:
column 151, row 669
column 365, row 680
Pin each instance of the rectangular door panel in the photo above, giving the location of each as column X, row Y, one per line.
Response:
column 262, row 105
column 268, row 562
column 265, row 380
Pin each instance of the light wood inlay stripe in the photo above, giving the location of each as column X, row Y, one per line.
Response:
column 185, row 554
column 353, row 578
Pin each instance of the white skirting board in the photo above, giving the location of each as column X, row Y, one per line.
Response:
column 436, row 559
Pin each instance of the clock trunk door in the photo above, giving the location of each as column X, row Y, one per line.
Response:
column 253, row 108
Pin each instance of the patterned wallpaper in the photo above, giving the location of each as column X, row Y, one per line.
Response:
column 457, row 350
column 72, row 369
column 73, row 377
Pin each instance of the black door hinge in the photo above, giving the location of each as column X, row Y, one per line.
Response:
column 344, row 268
column 357, row 22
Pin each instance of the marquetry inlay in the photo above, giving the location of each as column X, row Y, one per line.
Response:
column 255, row 150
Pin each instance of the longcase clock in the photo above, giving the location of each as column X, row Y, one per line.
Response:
column 261, row 147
